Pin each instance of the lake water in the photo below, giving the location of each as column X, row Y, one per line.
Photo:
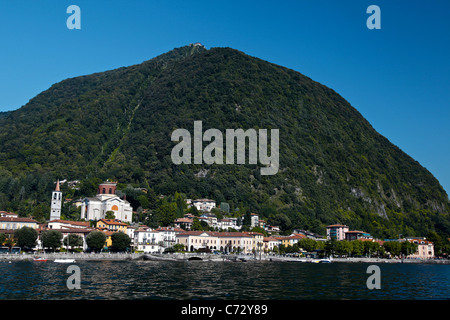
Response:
column 167, row 280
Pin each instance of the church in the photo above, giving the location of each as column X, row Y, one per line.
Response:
column 95, row 208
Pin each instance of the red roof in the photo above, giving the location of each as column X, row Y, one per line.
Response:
column 12, row 219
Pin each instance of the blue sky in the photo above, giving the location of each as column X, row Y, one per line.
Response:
column 397, row 77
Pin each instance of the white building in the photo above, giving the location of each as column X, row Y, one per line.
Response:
column 95, row 208
column 6, row 214
column 17, row 223
column 254, row 220
column 204, row 204
column 148, row 240
column 211, row 219
column 228, row 223
column 65, row 224
column 169, row 235
column 270, row 243
column 223, row 241
column 151, row 240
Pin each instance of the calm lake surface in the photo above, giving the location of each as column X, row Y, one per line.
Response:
column 167, row 280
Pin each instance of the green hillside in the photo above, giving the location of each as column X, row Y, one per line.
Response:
column 334, row 167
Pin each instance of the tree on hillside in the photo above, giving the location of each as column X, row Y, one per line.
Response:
column 167, row 213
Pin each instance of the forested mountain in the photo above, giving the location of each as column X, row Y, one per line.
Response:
column 334, row 167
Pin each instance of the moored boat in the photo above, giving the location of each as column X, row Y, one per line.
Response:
column 324, row 260
column 64, row 260
column 39, row 259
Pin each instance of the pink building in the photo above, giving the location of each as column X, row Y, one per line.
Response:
column 336, row 231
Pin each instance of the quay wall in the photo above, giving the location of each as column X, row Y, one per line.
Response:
column 76, row 256
column 201, row 256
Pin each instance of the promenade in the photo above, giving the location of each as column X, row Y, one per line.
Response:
column 201, row 256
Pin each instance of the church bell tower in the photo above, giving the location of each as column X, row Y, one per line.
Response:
column 55, row 212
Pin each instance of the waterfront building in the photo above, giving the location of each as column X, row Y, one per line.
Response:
column 270, row 243
column 7, row 223
column 148, row 240
column 95, row 208
column 66, row 224
column 112, row 225
column 309, row 234
column 235, row 242
column 357, row 235
column 425, row 248
column 195, row 240
column 292, row 239
column 66, row 231
column 257, row 241
column 223, row 241
column 169, row 235
column 336, row 231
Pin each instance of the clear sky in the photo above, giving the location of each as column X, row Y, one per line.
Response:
column 397, row 77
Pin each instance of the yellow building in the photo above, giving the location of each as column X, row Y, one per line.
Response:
column 112, row 225
column 109, row 227
column 257, row 241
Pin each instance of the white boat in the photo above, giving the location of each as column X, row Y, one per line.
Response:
column 64, row 260
column 325, row 260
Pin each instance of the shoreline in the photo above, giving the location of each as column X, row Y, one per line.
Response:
column 201, row 257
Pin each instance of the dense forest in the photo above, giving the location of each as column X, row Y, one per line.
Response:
column 334, row 167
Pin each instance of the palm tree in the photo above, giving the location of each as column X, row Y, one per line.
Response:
column 10, row 242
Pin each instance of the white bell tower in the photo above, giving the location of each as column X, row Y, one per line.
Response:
column 55, row 212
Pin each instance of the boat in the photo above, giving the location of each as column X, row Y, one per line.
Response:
column 64, row 260
column 194, row 258
column 39, row 259
column 324, row 260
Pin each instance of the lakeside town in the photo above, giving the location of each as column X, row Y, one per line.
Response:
column 106, row 226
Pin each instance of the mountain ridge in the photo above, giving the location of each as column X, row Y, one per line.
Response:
column 117, row 124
